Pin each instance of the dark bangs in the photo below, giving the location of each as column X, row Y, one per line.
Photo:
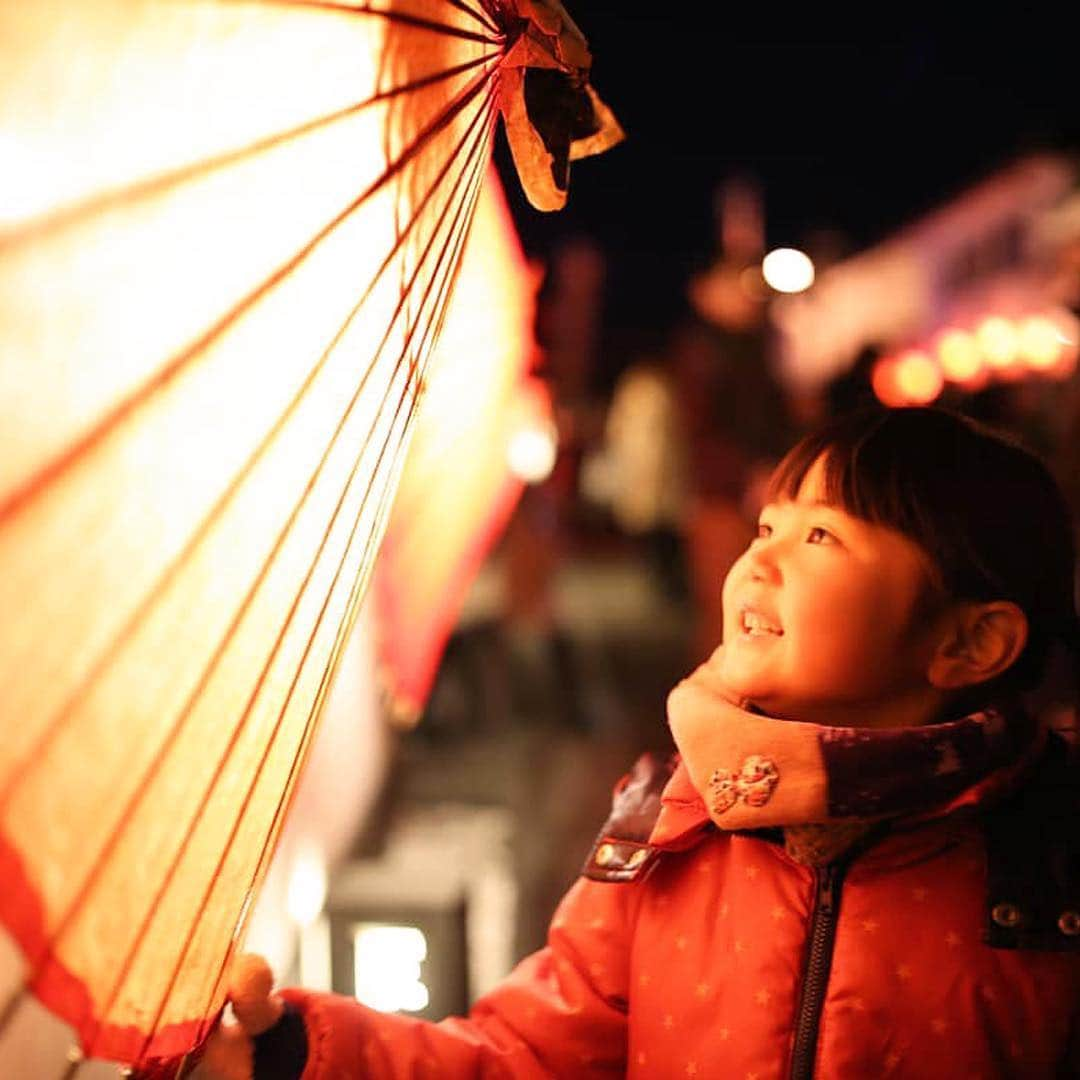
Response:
column 985, row 510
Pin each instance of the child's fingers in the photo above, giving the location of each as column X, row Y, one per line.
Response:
column 250, row 986
column 227, row 1055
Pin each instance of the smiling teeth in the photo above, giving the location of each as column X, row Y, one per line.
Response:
column 755, row 624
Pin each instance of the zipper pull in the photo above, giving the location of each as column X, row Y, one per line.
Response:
column 826, row 891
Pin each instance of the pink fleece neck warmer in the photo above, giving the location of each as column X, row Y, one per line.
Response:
column 756, row 771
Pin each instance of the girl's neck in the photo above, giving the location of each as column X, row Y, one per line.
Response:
column 914, row 709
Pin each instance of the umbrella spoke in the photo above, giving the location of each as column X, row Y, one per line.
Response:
column 26, row 492
column 126, row 632
column 481, row 140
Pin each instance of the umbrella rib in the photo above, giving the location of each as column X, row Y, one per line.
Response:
column 385, row 500
column 81, row 895
column 296, row 677
column 416, row 21
column 479, row 16
column 57, row 220
column 125, row 967
column 21, row 497
column 168, row 575
column 352, row 607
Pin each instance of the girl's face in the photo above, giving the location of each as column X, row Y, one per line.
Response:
column 822, row 617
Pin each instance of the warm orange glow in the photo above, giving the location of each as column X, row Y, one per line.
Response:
column 998, row 341
column 1038, row 341
column 958, row 355
column 918, row 378
column 883, row 378
column 225, row 246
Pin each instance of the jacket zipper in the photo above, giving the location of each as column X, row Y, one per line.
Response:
column 822, row 938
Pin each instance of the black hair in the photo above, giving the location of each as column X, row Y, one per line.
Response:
column 986, row 511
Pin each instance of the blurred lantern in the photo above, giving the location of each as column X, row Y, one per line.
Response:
column 912, row 378
column 918, row 378
column 998, row 342
column 1038, row 343
column 787, row 270
column 958, row 356
column 458, row 487
column 883, row 381
column 229, row 238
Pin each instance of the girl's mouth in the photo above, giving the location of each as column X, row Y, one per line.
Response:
column 754, row 624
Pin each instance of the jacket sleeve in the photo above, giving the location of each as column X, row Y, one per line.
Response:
column 561, row 1012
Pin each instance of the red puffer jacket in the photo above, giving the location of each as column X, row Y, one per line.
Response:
column 943, row 949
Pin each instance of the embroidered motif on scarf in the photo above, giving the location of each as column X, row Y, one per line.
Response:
column 754, row 783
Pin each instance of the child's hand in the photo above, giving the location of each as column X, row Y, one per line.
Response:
column 229, row 1052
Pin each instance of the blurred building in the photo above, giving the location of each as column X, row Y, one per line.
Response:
column 980, row 291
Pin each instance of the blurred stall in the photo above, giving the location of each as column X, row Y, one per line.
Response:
column 974, row 304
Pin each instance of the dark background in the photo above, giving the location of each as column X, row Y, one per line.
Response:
column 855, row 135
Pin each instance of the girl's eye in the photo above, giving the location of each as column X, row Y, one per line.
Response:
column 763, row 530
column 818, row 535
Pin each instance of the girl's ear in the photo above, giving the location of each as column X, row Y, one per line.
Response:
column 979, row 642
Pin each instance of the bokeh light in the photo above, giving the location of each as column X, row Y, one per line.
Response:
column 787, row 270
column 531, row 451
column 998, row 342
column 883, row 381
column 1039, row 342
column 959, row 357
column 918, row 378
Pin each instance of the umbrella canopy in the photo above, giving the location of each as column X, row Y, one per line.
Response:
column 229, row 231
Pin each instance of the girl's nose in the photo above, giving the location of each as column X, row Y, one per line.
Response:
column 762, row 563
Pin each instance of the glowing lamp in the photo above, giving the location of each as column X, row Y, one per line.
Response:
column 918, row 378
column 387, row 967
column 787, row 270
column 884, row 382
column 958, row 356
column 998, row 341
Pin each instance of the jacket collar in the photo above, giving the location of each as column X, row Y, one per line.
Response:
column 739, row 770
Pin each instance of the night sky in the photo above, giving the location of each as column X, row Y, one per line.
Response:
column 859, row 136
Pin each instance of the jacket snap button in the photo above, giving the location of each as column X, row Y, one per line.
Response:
column 638, row 858
column 1069, row 923
column 1005, row 915
column 604, row 854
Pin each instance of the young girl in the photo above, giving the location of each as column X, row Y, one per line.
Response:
column 863, row 861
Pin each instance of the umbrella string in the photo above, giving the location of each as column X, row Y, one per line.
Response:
column 38, row 228
column 480, row 16
column 126, row 966
column 497, row 37
column 386, row 263
column 53, row 728
column 351, row 607
column 22, row 495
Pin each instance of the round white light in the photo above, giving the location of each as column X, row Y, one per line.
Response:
column 787, row 270
column 531, row 452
